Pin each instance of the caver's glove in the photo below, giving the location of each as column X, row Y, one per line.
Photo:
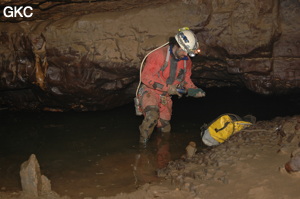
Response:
column 196, row 92
column 173, row 90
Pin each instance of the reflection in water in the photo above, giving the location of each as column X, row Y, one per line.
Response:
column 163, row 155
column 155, row 155
column 84, row 154
column 94, row 154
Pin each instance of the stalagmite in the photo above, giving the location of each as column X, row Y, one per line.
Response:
column 33, row 183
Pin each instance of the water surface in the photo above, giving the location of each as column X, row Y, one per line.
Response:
column 92, row 154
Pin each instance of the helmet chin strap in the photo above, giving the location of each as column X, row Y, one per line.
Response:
column 175, row 55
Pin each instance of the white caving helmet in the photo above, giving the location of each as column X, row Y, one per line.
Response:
column 187, row 40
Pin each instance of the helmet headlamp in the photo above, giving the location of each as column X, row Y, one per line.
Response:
column 187, row 40
column 192, row 53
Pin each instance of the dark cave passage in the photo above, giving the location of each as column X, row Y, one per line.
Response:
column 91, row 154
column 238, row 101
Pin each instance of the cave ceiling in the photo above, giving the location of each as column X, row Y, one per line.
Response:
column 57, row 9
column 85, row 54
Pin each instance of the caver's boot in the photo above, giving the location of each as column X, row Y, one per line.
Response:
column 148, row 124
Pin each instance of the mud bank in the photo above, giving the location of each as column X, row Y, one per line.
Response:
column 251, row 164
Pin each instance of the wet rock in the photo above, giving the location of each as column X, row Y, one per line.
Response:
column 186, row 186
column 296, row 152
column 208, row 176
column 222, row 179
column 191, row 150
column 297, row 127
column 46, row 184
column 223, row 163
column 31, row 177
column 294, row 164
column 34, row 184
column 219, row 174
column 199, row 175
column 288, row 127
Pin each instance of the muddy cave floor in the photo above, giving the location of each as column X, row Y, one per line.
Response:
column 248, row 165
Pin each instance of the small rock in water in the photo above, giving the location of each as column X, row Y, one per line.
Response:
column 191, row 149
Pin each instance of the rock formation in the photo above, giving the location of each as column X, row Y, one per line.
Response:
column 34, row 185
column 85, row 55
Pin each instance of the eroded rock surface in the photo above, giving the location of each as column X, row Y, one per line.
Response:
column 86, row 58
column 34, row 185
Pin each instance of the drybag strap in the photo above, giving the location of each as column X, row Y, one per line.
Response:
column 232, row 116
column 226, row 124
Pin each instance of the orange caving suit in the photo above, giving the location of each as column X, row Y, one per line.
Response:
column 155, row 81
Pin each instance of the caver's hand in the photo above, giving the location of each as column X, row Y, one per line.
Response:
column 200, row 94
column 173, row 90
column 196, row 92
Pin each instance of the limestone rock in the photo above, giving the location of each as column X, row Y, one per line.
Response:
column 294, row 164
column 33, row 183
column 46, row 184
column 31, row 177
column 191, row 149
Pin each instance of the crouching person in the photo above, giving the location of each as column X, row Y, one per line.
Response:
column 166, row 72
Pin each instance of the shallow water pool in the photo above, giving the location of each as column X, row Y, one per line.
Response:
column 92, row 154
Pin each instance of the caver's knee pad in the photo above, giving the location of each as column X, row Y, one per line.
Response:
column 166, row 126
column 151, row 114
column 149, row 122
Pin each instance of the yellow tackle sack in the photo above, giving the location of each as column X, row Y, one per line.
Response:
column 223, row 127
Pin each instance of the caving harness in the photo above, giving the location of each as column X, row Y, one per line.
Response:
column 188, row 42
column 139, row 91
column 170, row 79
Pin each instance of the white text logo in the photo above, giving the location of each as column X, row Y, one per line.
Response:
column 15, row 11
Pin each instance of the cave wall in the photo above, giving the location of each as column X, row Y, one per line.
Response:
column 257, row 44
column 90, row 60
